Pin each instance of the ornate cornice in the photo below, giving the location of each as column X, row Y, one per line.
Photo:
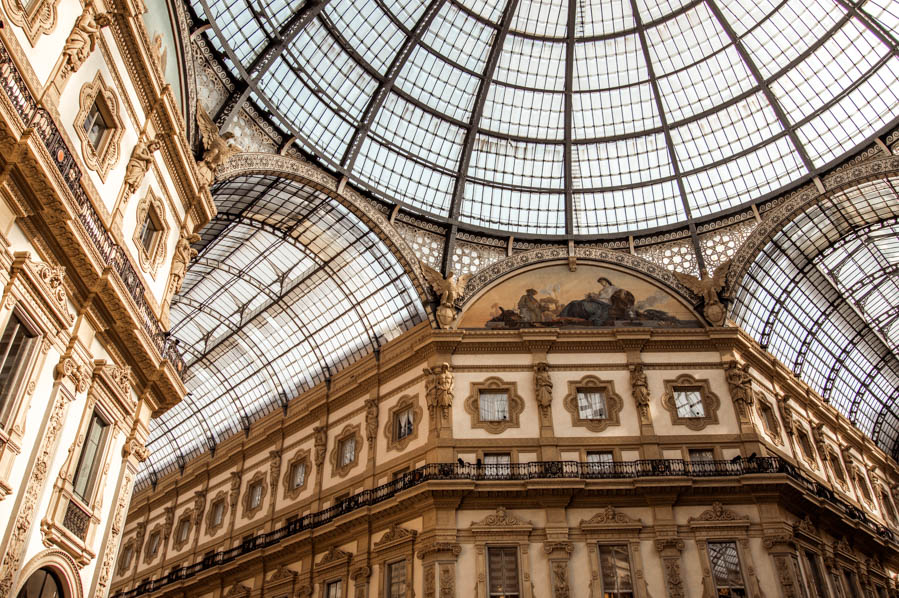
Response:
column 395, row 535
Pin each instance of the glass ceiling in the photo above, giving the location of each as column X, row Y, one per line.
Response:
column 823, row 298
column 557, row 117
column 288, row 287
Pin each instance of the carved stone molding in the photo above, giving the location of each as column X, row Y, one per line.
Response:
column 334, row 556
column 68, row 368
column 515, row 405
column 211, row 525
column 36, row 18
column 613, row 401
column 543, row 389
column 487, row 276
column 321, row 444
column 371, row 421
column 258, row 480
column 718, row 513
column 670, row 550
column 610, row 518
column 710, row 402
column 299, row 458
column 103, row 158
column 23, row 520
column 238, row 591
column 403, row 403
column 437, row 548
column 150, row 206
column 395, row 535
column 501, row 521
column 234, row 494
column 115, row 535
column 199, row 508
column 274, row 471
column 350, row 432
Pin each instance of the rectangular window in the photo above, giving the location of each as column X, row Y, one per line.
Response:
column 334, row 589
column 297, row 475
column 701, row 455
column 863, row 486
column 396, row 580
column 402, row 424
column 805, row 446
column 183, row 530
column 218, row 512
column 591, row 404
column 615, row 571
column 149, row 230
column 89, row 462
column 95, row 125
column 502, row 572
column 400, row 472
column 255, row 495
column 153, row 548
column 347, row 451
column 497, row 464
column 726, row 571
column 16, row 346
column 851, row 589
column 815, row 579
column 494, row 405
column 837, row 468
column 600, row 461
column 888, row 509
column 688, row 401
column 769, row 418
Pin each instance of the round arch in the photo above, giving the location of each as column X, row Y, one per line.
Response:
column 61, row 564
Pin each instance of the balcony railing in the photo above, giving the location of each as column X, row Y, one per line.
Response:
column 38, row 119
column 650, row 468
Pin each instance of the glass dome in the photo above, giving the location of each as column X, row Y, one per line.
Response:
column 567, row 118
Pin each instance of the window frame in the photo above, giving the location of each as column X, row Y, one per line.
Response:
column 87, row 498
column 300, row 457
column 338, row 467
column 410, row 402
column 740, row 564
column 627, row 551
column 22, row 371
column 100, row 159
column 257, row 481
column 503, row 547
column 710, row 402
column 151, row 208
column 211, row 525
column 613, row 403
column 515, row 405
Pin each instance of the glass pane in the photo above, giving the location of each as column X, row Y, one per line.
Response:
column 615, row 569
column 347, row 451
column 403, row 424
column 502, row 569
column 494, row 406
column 299, row 475
column 396, row 580
column 591, row 404
column 689, row 402
column 600, row 457
column 725, row 567
column 701, row 455
column 15, row 346
column 334, row 589
column 84, row 474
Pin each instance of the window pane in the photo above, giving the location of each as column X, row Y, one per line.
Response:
column 84, row 474
column 600, row 457
column 497, row 459
column 502, row 569
column 615, row 569
column 494, row 406
column 816, row 580
column 298, row 475
column 591, row 404
column 396, row 580
column 403, row 424
column 726, row 568
column 689, row 402
column 701, row 455
column 334, row 589
column 347, row 451
column 15, row 345
column 218, row 512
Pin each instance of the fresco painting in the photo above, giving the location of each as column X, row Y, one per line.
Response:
column 590, row 297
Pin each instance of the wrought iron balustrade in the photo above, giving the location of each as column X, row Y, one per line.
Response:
column 39, row 120
column 76, row 520
column 544, row 470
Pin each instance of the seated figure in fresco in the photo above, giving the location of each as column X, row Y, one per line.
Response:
column 529, row 308
column 597, row 308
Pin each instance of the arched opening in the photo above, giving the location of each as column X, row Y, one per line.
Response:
column 43, row 583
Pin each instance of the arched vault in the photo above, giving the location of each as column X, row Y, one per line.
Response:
column 289, row 286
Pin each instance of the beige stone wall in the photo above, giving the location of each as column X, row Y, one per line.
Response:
column 676, row 514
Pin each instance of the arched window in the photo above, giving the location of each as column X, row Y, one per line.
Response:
column 43, row 583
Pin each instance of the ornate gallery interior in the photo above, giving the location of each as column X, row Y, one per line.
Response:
column 417, row 298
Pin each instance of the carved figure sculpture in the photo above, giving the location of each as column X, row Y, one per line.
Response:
column 441, row 388
column 740, row 383
column 181, row 260
column 544, row 387
column 219, row 147
column 640, row 389
column 709, row 289
column 138, row 164
column 449, row 289
column 83, row 40
column 321, row 441
column 371, row 419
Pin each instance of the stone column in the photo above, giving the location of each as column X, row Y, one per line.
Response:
column 558, row 554
column 670, row 550
column 782, row 549
column 439, row 566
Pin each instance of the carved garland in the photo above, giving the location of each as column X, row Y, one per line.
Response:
column 710, row 402
column 405, row 402
column 103, row 158
column 614, row 403
column 515, row 405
